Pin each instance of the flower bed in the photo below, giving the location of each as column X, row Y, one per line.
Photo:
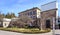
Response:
column 24, row 30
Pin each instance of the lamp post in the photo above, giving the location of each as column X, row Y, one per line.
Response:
column 53, row 26
column 41, row 26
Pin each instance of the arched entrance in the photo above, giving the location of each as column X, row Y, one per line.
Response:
column 48, row 23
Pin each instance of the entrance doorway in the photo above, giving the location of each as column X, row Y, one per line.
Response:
column 59, row 26
column 47, row 23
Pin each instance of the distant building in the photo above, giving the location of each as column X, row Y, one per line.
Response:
column 5, row 22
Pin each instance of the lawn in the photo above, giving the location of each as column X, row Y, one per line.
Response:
column 25, row 30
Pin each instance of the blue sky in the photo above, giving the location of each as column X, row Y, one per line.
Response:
column 17, row 6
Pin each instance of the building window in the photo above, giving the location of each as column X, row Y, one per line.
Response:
column 25, row 14
column 34, row 12
column 30, row 13
column 48, row 23
column 19, row 14
column 34, row 17
column 5, row 24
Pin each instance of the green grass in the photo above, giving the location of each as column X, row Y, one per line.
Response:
column 24, row 30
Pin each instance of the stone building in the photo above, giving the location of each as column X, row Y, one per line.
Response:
column 47, row 18
column 49, row 15
column 33, row 13
column 44, row 17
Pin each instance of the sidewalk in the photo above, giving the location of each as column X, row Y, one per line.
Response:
column 14, row 33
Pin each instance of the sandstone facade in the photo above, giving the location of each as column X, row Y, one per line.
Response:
column 48, row 16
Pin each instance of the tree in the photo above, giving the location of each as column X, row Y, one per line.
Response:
column 22, row 21
column 8, row 15
column 1, row 16
column 25, row 19
column 12, row 15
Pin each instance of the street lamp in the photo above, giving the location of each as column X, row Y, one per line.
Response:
column 53, row 26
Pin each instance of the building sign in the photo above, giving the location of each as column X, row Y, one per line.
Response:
column 49, row 6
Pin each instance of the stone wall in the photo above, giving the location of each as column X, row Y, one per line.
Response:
column 48, row 15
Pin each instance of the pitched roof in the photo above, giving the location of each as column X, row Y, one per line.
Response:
column 29, row 9
column 5, row 19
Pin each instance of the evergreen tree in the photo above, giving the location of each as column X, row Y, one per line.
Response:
column 8, row 15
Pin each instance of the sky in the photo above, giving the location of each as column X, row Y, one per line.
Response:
column 16, row 6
